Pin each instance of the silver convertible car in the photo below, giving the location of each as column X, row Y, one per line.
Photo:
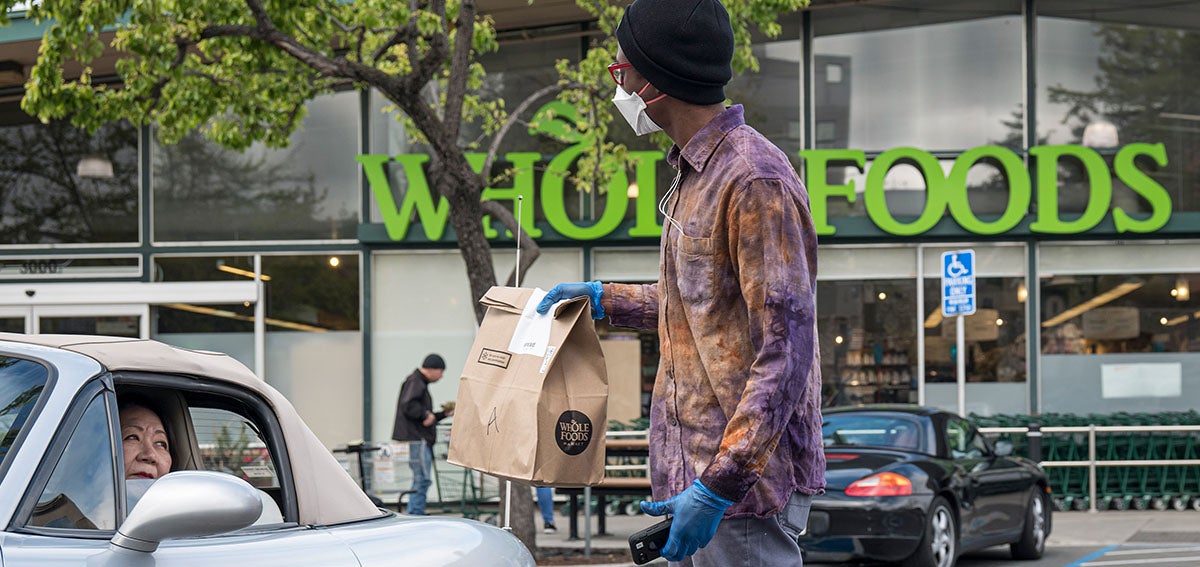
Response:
column 249, row 483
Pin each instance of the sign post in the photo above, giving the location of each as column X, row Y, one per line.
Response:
column 958, row 301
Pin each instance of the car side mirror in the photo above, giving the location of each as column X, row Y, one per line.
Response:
column 1004, row 448
column 186, row 504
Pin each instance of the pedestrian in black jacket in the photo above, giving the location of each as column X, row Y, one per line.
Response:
column 416, row 423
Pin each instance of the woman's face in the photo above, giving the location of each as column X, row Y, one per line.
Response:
column 144, row 441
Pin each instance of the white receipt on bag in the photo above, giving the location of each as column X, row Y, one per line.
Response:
column 532, row 334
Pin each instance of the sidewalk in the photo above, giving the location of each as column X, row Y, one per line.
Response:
column 1118, row 527
column 1070, row 529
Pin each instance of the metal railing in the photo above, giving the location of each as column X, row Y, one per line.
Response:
column 1092, row 463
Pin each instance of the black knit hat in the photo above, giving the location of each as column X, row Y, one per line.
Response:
column 434, row 362
column 683, row 47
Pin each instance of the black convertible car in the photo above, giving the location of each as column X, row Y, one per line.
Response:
column 920, row 486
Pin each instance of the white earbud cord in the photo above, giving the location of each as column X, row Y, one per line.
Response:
column 662, row 203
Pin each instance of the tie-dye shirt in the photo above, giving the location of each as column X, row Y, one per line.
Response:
column 738, row 394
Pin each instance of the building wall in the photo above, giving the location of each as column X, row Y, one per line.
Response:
column 942, row 78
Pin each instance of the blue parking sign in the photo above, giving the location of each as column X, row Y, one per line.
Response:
column 958, row 283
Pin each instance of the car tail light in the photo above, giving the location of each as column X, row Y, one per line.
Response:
column 840, row 457
column 882, row 484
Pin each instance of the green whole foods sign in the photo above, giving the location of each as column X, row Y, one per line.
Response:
column 943, row 192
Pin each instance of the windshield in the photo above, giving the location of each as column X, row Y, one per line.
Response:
column 867, row 430
column 21, row 385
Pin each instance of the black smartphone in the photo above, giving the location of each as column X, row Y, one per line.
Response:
column 646, row 545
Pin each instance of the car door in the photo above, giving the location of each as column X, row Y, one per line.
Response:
column 73, row 507
column 990, row 484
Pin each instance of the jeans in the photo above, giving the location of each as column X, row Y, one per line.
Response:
column 420, row 460
column 545, row 498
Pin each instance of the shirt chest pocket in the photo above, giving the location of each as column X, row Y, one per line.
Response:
column 698, row 267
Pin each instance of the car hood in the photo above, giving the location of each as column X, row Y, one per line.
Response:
column 432, row 541
column 844, row 465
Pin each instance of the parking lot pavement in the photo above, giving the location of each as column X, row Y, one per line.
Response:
column 1078, row 539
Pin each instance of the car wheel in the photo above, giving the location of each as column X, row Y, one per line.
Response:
column 939, row 545
column 1037, row 523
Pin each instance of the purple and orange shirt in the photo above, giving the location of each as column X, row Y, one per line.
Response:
column 737, row 399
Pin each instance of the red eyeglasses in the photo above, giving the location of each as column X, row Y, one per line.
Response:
column 617, row 70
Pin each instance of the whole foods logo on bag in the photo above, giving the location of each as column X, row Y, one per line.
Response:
column 573, row 433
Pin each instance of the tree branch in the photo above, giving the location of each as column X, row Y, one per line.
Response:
column 494, row 147
column 460, row 62
column 529, row 249
column 181, row 48
column 214, row 80
column 425, row 67
column 403, row 34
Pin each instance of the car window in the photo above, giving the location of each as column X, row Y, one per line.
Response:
column 232, row 443
column 21, row 385
column 963, row 441
column 81, row 492
column 872, row 431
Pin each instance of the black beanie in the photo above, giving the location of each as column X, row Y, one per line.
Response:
column 683, row 47
column 434, row 362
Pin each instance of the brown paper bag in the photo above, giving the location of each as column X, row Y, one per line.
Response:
column 533, row 399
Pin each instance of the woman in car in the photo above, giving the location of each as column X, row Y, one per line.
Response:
column 144, row 440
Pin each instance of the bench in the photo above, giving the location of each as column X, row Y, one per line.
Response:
column 610, row 486
column 615, row 486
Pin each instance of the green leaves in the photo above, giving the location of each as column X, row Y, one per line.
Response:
column 213, row 66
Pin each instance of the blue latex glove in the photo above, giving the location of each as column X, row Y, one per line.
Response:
column 563, row 291
column 697, row 511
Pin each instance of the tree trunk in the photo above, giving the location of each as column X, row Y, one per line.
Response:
column 523, row 507
column 462, row 190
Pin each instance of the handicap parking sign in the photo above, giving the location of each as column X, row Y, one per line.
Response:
column 958, row 283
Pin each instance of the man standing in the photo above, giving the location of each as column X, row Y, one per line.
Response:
column 416, row 422
column 735, row 420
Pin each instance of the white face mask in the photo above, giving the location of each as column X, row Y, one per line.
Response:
column 633, row 108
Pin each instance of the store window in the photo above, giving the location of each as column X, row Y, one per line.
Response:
column 61, row 185
column 307, row 191
column 222, row 328
column 994, row 336
column 1121, row 75
column 867, row 331
column 313, row 332
column 946, row 76
column 995, row 348
column 1120, row 314
column 1120, row 327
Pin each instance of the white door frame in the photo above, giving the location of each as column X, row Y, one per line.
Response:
column 140, row 310
column 24, row 313
column 33, row 300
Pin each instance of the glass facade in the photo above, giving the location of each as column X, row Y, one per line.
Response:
column 312, row 320
column 946, row 77
column 347, row 318
column 307, row 191
column 1121, row 76
column 61, row 185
